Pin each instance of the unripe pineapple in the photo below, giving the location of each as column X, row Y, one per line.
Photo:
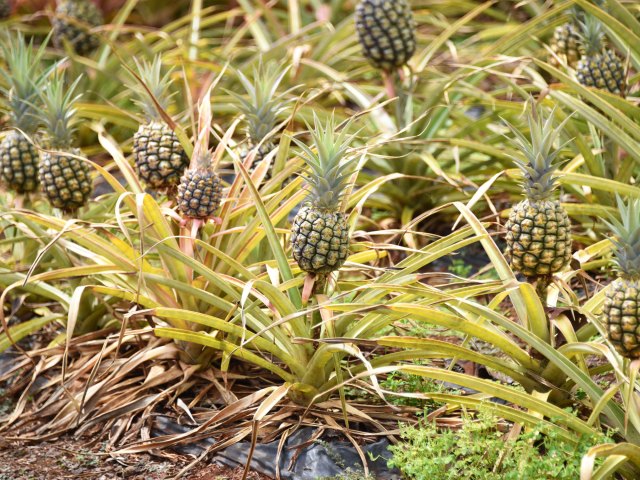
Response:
column 320, row 233
column 159, row 156
column 19, row 158
column 5, row 8
column 538, row 229
column 73, row 23
column 566, row 44
column 200, row 189
column 621, row 311
column 65, row 179
column 261, row 106
column 599, row 67
column 386, row 31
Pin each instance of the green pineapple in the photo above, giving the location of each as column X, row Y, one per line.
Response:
column 19, row 158
column 72, row 24
column 566, row 44
column 386, row 31
column 599, row 67
column 538, row 229
column 160, row 158
column 200, row 189
column 320, row 233
column 621, row 311
column 65, row 179
column 5, row 8
column 261, row 106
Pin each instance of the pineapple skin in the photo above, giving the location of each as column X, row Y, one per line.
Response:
column 19, row 162
column 567, row 45
column 604, row 71
column 159, row 156
column 320, row 239
column 5, row 8
column 621, row 315
column 199, row 193
column 386, row 31
column 66, row 181
column 84, row 11
column 538, row 237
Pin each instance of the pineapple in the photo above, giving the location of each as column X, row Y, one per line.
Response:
column 5, row 8
column 200, row 189
column 261, row 107
column 538, row 229
column 19, row 158
column 599, row 67
column 320, row 233
column 72, row 24
column 65, row 179
column 159, row 156
column 566, row 44
column 387, row 32
column 621, row 311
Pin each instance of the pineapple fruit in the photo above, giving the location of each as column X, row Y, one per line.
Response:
column 200, row 189
column 538, row 229
column 386, row 31
column 72, row 24
column 65, row 179
column 599, row 67
column 261, row 106
column 621, row 311
column 19, row 158
column 320, row 233
column 159, row 157
column 5, row 8
column 566, row 44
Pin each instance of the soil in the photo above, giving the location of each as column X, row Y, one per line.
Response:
column 71, row 459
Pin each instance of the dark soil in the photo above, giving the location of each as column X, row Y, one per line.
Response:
column 71, row 459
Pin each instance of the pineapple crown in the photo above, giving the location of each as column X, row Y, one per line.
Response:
column 538, row 149
column 592, row 35
column 627, row 237
column 261, row 105
column 24, row 78
column 330, row 169
column 151, row 87
column 202, row 156
column 59, row 110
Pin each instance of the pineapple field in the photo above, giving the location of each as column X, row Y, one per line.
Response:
column 305, row 239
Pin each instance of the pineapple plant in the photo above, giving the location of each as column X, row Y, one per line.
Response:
column 538, row 230
column 621, row 310
column 5, row 8
column 65, row 179
column 200, row 189
column 599, row 66
column 261, row 106
column 19, row 158
column 159, row 156
column 320, row 233
column 386, row 31
column 72, row 24
column 566, row 44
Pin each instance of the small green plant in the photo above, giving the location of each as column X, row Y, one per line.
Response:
column 460, row 268
column 407, row 383
column 479, row 451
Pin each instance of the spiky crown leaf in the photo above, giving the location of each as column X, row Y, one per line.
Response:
column 330, row 168
column 202, row 155
column 59, row 110
column 627, row 237
column 24, row 77
column 541, row 157
column 157, row 87
column 261, row 105
column 592, row 35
